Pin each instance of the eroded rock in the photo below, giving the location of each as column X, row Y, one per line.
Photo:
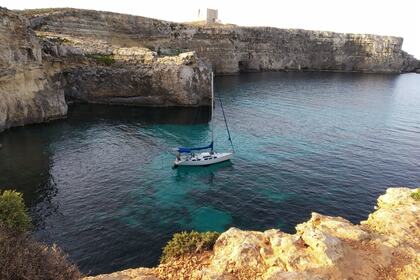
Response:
column 29, row 93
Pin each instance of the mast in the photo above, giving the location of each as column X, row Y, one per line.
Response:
column 212, row 105
column 227, row 127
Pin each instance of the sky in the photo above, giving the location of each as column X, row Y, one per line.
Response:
column 383, row 17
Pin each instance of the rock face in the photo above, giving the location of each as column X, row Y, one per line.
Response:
column 174, row 81
column 385, row 246
column 29, row 92
column 232, row 49
column 41, row 74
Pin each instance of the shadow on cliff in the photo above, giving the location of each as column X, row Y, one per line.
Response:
column 146, row 115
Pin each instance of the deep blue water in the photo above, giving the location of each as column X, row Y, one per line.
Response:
column 100, row 184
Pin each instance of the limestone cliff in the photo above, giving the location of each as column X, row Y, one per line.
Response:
column 123, row 77
column 41, row 74
column 29, row 92
column 385, row 246
column 230, row 48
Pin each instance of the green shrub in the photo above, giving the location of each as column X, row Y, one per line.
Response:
column 188, row 242
column 13, row 214
column 22, row 258
column 416, row 194
column 107, row 59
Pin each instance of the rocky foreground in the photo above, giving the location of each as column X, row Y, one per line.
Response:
column 385, row 246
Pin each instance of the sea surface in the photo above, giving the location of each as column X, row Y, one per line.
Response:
column 100, row 184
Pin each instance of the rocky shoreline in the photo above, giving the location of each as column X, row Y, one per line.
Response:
column 52, row 57
column 385, row 246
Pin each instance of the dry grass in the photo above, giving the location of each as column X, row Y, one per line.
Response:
column 183, row 267
column 23, row 258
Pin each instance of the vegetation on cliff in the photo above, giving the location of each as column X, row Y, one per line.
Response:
column 22, row 257
column 106, row 59
column 416, row 194
column 188, row 242
column 13, row 213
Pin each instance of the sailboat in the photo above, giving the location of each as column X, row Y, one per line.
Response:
column 192, row 157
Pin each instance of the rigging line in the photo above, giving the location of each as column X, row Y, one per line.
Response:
column 212, row 108
column 224, row 117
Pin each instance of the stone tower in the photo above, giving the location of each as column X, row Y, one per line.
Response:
column 208, row 15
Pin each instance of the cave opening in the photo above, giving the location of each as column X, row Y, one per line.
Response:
column 243, row 66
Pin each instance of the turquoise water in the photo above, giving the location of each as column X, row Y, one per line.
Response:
column 100, row 184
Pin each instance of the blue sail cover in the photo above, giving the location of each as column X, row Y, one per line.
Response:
column 188, row 150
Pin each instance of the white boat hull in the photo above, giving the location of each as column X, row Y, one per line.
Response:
column 202, row 159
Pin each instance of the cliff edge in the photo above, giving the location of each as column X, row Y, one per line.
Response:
column 385, row 246
column 229, row 48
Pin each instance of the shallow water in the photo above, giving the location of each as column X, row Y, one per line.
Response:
column 100, row 184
